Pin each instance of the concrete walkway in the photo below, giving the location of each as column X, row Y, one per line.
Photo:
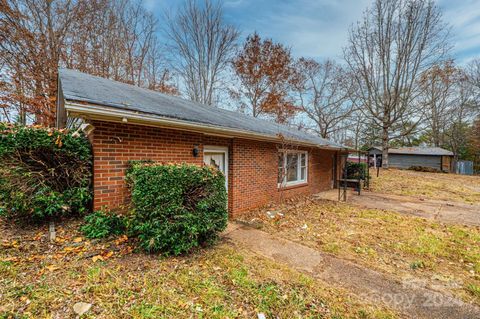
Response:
column 443, row 211
column 407, row 297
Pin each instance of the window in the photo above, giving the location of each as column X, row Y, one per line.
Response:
column 292, row 168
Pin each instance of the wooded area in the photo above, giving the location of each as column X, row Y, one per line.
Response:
column 396, row 85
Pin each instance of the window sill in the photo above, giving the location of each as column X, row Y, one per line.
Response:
column 291, row 186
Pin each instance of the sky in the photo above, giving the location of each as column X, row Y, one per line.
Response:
column 319, row 28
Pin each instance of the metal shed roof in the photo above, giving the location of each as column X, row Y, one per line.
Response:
column 437, row 151
column 80, row 87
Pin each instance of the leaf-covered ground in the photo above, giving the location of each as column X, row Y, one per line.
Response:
column 43, row 280
column 444, row 257
column 439, row 186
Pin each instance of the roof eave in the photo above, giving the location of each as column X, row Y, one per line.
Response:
column 110, row 114
column 422, row 154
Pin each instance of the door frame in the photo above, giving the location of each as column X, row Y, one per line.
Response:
column 218, row 149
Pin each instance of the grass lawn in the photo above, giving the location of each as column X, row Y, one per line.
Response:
column 42, row 280
column 408, row 247
column 440, row 186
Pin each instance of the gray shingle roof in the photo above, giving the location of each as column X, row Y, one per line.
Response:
column 438, row 151
column 81, row 87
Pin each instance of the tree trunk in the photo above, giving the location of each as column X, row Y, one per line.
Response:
column 385, row 140
column 436, row 135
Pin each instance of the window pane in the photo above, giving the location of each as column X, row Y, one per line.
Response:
column 280, row 168
column 303, row 170
column 304, row 161
column 292, row 167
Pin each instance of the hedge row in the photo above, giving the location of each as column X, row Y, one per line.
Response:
column 44, row 172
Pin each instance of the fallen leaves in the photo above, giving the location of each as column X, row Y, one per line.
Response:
column 33, row 263
column 10, row 244
column 60, row 240
column 122, row 239
column 38, row 236
column 378, row 239
column 65, row 283
column 102, row 257
column 79, row 250
column 30, row 246
column 97, row 258
column 52, row 268
column 58, row 141
column 107, row 254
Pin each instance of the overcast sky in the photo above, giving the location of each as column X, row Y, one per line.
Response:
column 319, row 28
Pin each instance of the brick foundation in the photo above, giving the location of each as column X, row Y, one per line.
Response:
column 252, row 164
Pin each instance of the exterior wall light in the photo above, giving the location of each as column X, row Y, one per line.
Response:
column 195, row 151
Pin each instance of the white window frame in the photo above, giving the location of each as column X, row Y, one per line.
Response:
column 284, row 183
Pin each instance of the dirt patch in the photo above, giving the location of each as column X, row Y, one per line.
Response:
column 444, row 211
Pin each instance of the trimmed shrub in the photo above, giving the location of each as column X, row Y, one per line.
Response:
column 356, row 170
column 424, row 169
column 44, row 172
column 176, row 207
column 101, row 224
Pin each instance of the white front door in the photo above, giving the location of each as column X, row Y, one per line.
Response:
column 217, row 156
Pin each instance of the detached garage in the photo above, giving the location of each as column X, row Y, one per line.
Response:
column 406, row 157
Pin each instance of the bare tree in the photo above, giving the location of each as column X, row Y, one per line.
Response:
column 324, row 94
column 355, row 132
column 287, row 164
column 462, row 114
column 474, row 142
column 473, row 74
column 157, row 75
column 31, row 33
column 117, row 39
column 395, row 42
column 439, row 84
column 111, row 38
column 202, row 45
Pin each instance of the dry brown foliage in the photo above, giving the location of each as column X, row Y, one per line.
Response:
column 110, row 38
column 267, row 74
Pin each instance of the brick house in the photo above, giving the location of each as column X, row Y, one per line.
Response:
column 262, row 161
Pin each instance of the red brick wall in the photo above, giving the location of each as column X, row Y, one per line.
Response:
column 254, row 174
column 252, row 164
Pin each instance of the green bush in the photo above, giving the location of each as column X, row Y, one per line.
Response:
column 44, row 172
column 176, row 207
column 356, row 170
column 102, row 224
column 424, row 169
